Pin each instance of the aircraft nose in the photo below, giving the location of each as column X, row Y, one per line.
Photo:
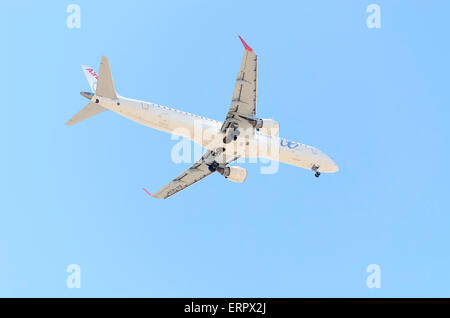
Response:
column 329, row 165
column 334, row 166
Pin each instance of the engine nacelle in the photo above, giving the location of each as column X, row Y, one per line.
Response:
column 267, row 127
column 235, row 174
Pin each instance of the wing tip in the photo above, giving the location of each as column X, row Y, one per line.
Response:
column 246, row 46
column 150, row 193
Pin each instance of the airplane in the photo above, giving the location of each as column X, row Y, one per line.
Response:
column 240, row 133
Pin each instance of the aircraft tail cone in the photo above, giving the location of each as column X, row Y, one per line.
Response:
column 87, row 95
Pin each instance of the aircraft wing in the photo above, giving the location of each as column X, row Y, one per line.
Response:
column 243, row 102
column 242, row 108
column 194, row 174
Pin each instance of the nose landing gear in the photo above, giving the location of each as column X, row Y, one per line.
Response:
column 315, row 168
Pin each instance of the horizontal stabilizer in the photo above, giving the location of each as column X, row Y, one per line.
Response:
column 88, row 111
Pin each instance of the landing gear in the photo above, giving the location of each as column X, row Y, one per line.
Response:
column 213, row 166
column 232, row 134
column 315, row 168
column 229, row 138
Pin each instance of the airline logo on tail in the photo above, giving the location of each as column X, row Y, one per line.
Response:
column 91, row 71
column 91, row 76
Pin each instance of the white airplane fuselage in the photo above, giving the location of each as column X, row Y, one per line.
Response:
column 207, row 133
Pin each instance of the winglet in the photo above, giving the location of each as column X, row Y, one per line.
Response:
column 248, row 48
column 149, row 193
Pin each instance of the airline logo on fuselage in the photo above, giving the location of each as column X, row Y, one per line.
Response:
column 289, row 144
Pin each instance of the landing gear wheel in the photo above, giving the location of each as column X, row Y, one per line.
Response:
column 231, row 135
column 228, row 139
column 315, row 168
column 213, row 166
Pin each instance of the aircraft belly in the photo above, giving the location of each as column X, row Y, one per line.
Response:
column 296, row 158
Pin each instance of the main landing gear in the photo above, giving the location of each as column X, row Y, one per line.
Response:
column 231, row 135
column 315, row 168
column 228, row 140
column 213, row 166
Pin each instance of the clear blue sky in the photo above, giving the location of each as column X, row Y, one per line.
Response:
column 376, row 100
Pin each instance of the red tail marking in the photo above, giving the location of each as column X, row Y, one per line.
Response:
column 90, row 70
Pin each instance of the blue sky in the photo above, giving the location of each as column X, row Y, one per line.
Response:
column 375, row 100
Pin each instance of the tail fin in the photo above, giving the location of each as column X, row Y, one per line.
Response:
column 105, row 85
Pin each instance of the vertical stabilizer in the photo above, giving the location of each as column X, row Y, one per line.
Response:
column 105, row 84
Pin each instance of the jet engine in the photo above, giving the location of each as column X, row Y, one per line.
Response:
column 235, row 174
